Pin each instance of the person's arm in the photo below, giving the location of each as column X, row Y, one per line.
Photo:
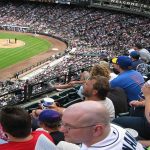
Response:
column 146, row 92
column 76, row 82
column 68, row 85
column 63, row 86
column 145, row 142
column 136, row 103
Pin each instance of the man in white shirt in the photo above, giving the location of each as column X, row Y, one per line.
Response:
column 144, row 53
column 95, row 88
column 88, row 123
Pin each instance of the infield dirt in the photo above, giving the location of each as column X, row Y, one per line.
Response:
column 10, row 43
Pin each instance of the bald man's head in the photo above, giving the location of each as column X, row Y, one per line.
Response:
column 86, row 122
column 88, row 112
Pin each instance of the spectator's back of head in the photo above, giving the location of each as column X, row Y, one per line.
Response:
column 100, row 69
column 50, row 118
column 138, row 46
column 15, row 121
column 104, row 63
column 135, row 55
column 124, row 62
column 87, row 122
column 92, row 112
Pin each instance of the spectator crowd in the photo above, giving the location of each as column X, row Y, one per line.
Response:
column 107, row 58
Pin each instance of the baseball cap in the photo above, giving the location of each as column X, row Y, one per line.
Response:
column 114, row 60
column 135, row 54
column 124, row 61
column 49, row 116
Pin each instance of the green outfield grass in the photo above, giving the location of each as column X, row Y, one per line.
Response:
column 33, row 46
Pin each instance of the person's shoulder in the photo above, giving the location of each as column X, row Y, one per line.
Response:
column 132, row 72
column 63, row 145
column 144, row 51
column 37, row 134
column 10, row 146
column 5, row 146
column 117, row 79
column 44, row 143
column 108, row 100
column 125, row 138
column 114, row 81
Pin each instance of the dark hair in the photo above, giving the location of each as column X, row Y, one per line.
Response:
column 52, row 125
column 138, row 45
column 15, row 121
column 101, row 85
column 83, row 69
column 135, row 57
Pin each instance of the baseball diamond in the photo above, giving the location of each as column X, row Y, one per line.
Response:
column 28, row 50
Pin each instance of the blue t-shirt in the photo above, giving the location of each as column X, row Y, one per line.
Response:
column 131, row 81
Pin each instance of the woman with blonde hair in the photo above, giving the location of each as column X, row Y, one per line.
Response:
column 100, row 69
column 112, row 75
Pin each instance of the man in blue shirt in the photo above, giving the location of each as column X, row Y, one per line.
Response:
column 128, row 79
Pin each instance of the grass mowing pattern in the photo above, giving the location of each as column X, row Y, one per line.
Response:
column 33, row 46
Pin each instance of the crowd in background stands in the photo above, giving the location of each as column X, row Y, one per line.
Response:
column 79, row 26
column 63, row 68
column 142, row 1
column 89, row 31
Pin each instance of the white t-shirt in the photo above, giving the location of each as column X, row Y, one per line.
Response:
column 43, row 143
column 107, row 103
column 145, row 55
column 112, row 76
column 63, row 145
column 118, row 139
column 110, row 107
column 80, row 92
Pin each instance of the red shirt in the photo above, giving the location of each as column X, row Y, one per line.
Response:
column 27, row 145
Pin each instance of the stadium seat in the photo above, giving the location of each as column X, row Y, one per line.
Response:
column 73, row 95
column 55, row 97
column 72, row 102
column 62, row 100
column 119, row 99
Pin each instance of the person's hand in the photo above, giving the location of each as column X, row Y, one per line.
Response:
column 146, row 90
column 56, row 108
column 35, row 113
column 136, row 103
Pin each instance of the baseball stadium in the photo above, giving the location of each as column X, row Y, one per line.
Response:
column 60, row 55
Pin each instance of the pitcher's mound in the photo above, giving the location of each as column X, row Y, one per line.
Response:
column 10, row 43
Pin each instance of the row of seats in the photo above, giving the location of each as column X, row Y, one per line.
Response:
column 67, row 97
column 62, row 99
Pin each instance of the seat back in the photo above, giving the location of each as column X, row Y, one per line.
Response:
column 119, row 99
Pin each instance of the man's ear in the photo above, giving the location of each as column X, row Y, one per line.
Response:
column 98, row 130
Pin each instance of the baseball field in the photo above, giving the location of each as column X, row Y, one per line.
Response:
column 15, row 48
